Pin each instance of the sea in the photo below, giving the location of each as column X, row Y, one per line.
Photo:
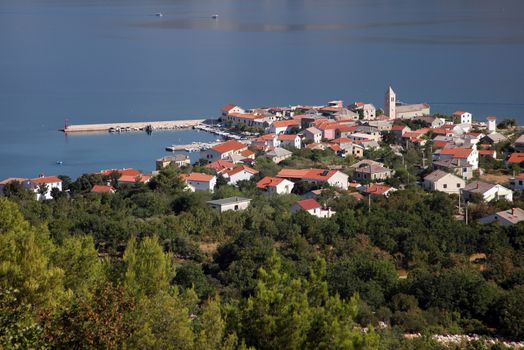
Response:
column 98, row 61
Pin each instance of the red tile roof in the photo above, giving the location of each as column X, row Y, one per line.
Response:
column 308, row 204
column 457, row 152
column 377, row 189
column 247, row 153
column 491, row 117
column 228, row 146
column 199, row 177
column 227, row 108
column 458, row 113
column 439, row 144
column 285, row 123
column 487, row 152
column 45, row 180
column 398, row 127
column 124, row 171
column 102, row 189
column 309, row 174
column 269, row 181
column 134, row 178
column 284, row 137
column 242, row 168
column 341, row 140
column 516, row 158
column 221, row 165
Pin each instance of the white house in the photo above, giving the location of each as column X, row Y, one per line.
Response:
column 313, row 134
column 283, row 126
column 312, row 207
column 442, row 181
column 492, row 123
column 223, row 150
column 200, row 182
column 268, row 140
column 332, row 177
column 289, row 140
column 275, row 185
column 465, row 117
column 230, row 108
column 241, row 172
column 42, row 186
column 471, row 155
column 232, row 203
column 488, row 191
column 279, row 154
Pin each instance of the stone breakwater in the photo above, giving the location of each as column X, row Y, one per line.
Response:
column 134, row 126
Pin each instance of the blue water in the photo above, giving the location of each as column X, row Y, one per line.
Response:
column 112, row 60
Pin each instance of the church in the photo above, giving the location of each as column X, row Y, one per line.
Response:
column 395, row 110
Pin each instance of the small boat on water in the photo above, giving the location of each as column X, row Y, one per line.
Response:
column 59, row 162
column 159, row 14
column 214, row 16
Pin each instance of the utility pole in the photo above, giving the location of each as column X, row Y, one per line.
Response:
column 466, row 204
column 369, row 202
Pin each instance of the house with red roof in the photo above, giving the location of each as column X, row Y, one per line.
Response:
column 120, row 172
column 221, row 166
column 471, row 155
column 488, row 153
column 42, row 185
column 275, row 185
column 334, row 178
column 378, row 190
column 200, row 182
column 312, row 207
column 284, row 126
column 130, row 179
column 230, row 108
column 291, row 140
column 515, row 158
column 223, row 150
column 102, row 189
column 268, row 140
column 239, row 173
column 343, row 130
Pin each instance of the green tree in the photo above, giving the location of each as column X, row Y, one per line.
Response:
column 148, row 270
column 79, row 259
column 24, row 257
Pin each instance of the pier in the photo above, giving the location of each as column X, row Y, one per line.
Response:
column 134, row 126
column 192, row 147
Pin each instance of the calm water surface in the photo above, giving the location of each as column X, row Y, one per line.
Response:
column 113, row 60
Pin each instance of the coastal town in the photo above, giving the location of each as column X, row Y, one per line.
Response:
column 356, row 149
column 342, row 177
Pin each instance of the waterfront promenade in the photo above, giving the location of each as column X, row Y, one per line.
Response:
column 166, row 124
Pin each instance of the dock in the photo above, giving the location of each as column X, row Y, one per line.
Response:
column 135, row 126
column 192, row 147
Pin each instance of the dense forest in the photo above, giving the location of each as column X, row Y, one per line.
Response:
column 152, row 267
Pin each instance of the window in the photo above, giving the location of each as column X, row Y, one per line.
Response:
column 445, row 186
column 520, row 182
column 236, row 207
column 458, row 185
column 465, row 170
